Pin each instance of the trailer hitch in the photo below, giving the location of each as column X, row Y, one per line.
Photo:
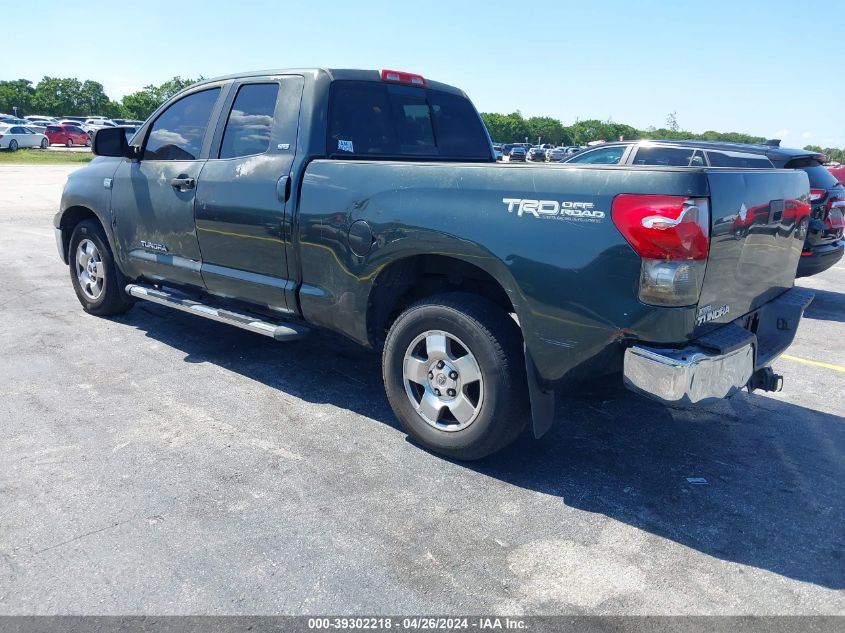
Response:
column 766, row 379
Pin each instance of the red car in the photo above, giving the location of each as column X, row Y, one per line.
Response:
column 68, row 135
column 838, row 173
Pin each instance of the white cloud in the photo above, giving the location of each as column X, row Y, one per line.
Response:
column 781, row 133
column 806, row 135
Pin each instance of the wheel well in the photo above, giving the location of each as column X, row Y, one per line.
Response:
column 405, row 281
column 72, row 217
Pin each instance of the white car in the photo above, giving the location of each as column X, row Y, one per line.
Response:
column 14, row 136
column 37, row 119
column 98, row 123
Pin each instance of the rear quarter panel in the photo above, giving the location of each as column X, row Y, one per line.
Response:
column 572, row 281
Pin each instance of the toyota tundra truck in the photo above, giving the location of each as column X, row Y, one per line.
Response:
column 370, row 203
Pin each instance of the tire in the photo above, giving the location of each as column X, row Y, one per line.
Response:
column 98, row 283
column 13, row 145
column 480, row 340
column 69, row 143
column 44, row 143
column 88, row 142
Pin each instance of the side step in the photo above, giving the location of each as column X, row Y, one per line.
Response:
column 286, row 332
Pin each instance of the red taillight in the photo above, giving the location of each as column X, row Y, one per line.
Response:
column 663, row 227
column 672, row 236
column 399, row 77
column 817, row 194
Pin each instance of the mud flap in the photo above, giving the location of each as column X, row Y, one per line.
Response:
column 542, row 401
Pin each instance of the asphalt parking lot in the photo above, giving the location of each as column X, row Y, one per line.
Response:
column 158, row 463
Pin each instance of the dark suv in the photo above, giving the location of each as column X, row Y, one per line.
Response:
column 824, row 244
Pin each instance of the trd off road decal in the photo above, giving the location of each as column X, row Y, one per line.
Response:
column 554, row 210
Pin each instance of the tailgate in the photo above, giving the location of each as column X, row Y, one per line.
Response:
column 759, row 223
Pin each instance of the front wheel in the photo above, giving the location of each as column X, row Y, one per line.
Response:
column 13, row 145
column 98, row 283
column 69, row 143
column 454, row 372
column 44, row 143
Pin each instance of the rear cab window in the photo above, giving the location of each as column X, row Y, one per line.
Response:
column 379, row 120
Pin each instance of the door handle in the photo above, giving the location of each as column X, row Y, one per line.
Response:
column 183, row 184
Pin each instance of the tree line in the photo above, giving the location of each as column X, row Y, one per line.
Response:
column 68, row 96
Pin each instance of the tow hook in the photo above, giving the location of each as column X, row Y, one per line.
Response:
column 765, row 379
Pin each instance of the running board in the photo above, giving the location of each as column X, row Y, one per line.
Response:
column 287, row 332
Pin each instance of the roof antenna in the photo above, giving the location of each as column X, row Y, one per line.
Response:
column 773, row 142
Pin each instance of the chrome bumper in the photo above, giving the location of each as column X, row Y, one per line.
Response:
column 60, row 244
column 687, row 376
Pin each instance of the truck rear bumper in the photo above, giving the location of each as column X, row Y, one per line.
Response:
column 723, row 361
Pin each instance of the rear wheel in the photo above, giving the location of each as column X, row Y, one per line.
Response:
column 98, row 283
column 88, row 142
column 454, row 372
column 13, row 145
column 44, row 143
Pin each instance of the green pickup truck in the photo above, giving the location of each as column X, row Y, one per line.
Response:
column 370, row 203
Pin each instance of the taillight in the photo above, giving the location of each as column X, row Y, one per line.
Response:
column 672, row 236
column 399, row 77
column 817, row 194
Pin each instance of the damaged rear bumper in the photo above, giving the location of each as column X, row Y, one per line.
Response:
column 721, row 362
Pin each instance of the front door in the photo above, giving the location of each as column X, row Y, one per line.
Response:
column 241, row 195
column 153, row 198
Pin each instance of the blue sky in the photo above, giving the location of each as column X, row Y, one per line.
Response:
column 767, row 67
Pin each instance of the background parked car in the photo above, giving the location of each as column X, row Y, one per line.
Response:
column 14, row 136
column 555, row 154
column 824, row 244
column 536, row 154
column 41, row 119
column 516, row 154
column 68, row 135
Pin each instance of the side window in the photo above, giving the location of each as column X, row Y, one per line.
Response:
column 16, row 130
column 250, row 121
column 665, row 156
column 604, row 156
column 178, row 132
column 738, row 159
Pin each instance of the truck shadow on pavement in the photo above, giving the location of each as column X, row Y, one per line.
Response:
column 827, row 306
column 774, row 496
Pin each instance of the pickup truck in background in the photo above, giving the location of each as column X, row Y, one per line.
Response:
column 370, row 203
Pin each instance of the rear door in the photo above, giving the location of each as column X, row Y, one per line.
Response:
column 243, row 189
column 153, row 198
column 758, row 226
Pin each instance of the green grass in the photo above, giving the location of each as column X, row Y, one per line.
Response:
column 43, row 157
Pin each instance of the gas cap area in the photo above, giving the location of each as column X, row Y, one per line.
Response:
column 360, row 238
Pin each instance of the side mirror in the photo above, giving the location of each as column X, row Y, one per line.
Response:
column 111, row 141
